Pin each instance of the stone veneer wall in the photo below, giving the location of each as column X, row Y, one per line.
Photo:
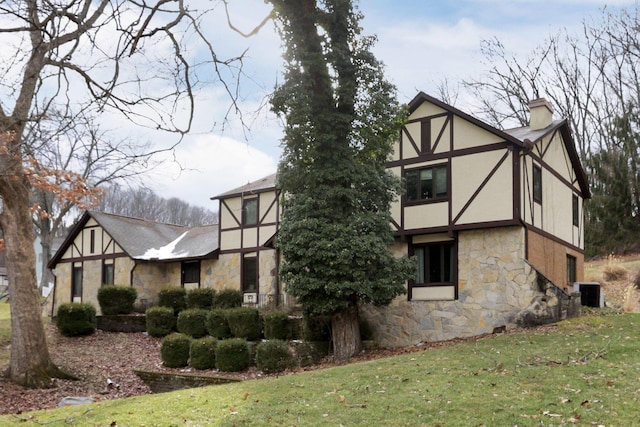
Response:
column 223, row 272
column 494, row 284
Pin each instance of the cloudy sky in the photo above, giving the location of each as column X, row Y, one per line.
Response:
column 421, row 42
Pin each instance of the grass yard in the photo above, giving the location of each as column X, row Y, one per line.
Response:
column 584, row 371
column 5, row 333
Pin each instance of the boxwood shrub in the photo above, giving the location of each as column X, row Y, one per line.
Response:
column 200, row 298
column 227, row 298
column 217, row 324
column 202, row 353
column 193, row 322
column 276, row 325
column 232, row 355
column 174, row 350
column 76, row 319
column 175, row 298
column 160, row 321
column 245, row 322
column 274, row 356
column 117, row 299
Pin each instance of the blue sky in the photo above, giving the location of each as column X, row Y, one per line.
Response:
column 421, row 43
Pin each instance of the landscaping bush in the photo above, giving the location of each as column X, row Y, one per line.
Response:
column 200, row 298
column 274, row 356
column 245, row 322
column 232, row 355
column 160, row 321
column 217, row 324
column 193, row 322
column 175, row 298
column 76, row 319
column 366, row 331
column 316, row 328
column 117, row 299
column 276, row 325
column 613, row 273
column 174, row 350
column 202, row 353
column 227, row 298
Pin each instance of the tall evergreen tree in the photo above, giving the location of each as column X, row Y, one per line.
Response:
column 341, row 116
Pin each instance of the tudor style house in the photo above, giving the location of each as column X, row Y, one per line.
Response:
column 493, row 218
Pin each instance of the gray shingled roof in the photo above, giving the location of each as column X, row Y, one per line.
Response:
column 525, row 132
column 257, row 186
column 146, row 240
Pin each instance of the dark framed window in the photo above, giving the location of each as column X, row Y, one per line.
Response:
column 249, row 273
column 76, row 282
column 537, row 184
column 575, row 204
column 425, row 136
column 191, row 272
column 107, row 273
column 250, row 211
column 92, row 241
column 571, row 269
column 427, row 183
column 435, row 263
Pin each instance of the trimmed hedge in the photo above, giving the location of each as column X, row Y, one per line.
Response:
column 174, row 350
column 193, row 322
column 276, row 325
column 76, row 319
column 245, row 322
column 274, row 356
column 200, row 298
column 202, row 353
column 217, row 324
column 228, row 298
column 117, row 299
column 175, row 298
column 232, row 355
column 160, row 321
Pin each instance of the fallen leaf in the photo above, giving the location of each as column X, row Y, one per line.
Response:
column 341, row 399
column 245, row 395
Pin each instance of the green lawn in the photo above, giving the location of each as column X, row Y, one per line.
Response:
column 585, row 371
column 5, row 333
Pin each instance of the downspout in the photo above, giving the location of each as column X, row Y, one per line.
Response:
column 277, row 278
column 53, row 291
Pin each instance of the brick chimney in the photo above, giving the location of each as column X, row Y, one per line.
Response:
column 541, row 114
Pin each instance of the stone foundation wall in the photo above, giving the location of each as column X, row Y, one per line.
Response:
column 494, row 284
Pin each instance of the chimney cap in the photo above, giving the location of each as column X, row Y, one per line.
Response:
column 540, row 102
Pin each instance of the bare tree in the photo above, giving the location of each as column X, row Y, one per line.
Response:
column 143, row 203
column 113, row 56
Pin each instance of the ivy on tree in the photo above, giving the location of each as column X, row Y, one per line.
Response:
column 341, row 118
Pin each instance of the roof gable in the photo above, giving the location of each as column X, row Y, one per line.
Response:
column 258, row 186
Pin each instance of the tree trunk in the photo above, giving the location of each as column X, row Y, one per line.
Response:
column 30, row 364
column 345, row 333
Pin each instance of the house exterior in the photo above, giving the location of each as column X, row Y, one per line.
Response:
column 111, row 249
column 494, row 219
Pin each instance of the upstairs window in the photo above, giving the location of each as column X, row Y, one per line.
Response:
column 250, row 211
column 576, row 210
column 427, row 183
column 537, row 184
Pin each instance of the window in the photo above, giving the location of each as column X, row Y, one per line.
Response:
column 107, row 273
column 576, row 210
column 428, row 183
column 76, row 282
column 191, row 272
column 537, row 184
column 425, row 136
column 250, row 211
column 249, row 274
column 571, row 269
column 435, row 263
column 92, row 241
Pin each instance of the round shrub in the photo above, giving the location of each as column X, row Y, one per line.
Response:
column 232, row 355
column 160, row 321
column 227, row 298
column 274, row 356
column 76, row 319
column 117, row 299
column 193, row 322
column 217, row 324
column 202, row 353
column 175, row 298
column 245, row 322
column 174, row 350
column 200, row 298
column 276, row 325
